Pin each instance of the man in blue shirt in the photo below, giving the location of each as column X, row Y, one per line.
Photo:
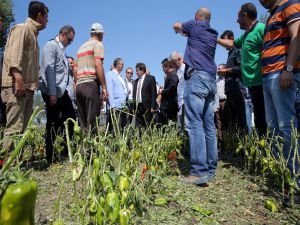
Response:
column 199, row 94
column 118, row 94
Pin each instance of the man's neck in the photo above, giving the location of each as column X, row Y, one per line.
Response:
column 251, row 25
column 276, row 3
column 117, row 71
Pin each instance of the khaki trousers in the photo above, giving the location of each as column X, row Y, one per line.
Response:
column 18, row 112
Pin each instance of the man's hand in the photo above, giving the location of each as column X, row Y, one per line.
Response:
column 19, row 84
column 153, row 110
column 160, row 90
column 105, row 94
column 177, row 27
column 53, row 100
column 286, row 79
column 223, row 71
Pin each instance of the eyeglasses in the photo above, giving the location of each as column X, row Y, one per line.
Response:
column 129, row 72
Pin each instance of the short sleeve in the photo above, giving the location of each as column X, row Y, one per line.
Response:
column 99, row 51
column 292, row 13
column 238, row 42
column 186, row 27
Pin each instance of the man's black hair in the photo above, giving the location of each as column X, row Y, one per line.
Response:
column 116, row 61
column 36, row 7
column 250, row 10
column 141, row 66
column 227, row 33
column 66, row 29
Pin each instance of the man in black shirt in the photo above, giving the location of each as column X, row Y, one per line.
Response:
column 234, row 109
column 169, row 104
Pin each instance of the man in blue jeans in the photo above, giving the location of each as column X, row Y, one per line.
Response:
column 281, row 75
column 199, row 94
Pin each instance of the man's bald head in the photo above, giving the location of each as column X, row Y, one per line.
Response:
column 203, row 14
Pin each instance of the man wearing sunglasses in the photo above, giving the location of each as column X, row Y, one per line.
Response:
column 54, row 78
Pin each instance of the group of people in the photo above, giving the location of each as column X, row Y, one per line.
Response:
column 268, row 65
column 76, row 88
column 262, row 63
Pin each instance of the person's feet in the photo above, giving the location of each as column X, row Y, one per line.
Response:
column 198, row 180
column 193, row 179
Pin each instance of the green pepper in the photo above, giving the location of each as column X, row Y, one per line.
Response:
column 93, row 206
column 136, row 156
column 124, row 196
column 101, row 201
column 100, row 215
column 58, row 222
column 123, row 183
column 78, row 167
column 124, row 216
column 96, row 164
column 160, row 201
column 112, row 206
column 18, row 203
column 77, row 129
column 271, row 205
column 106, row 181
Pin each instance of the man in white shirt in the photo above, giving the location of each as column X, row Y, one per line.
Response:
column 129, row 84
column 144, row 93
column 118, row 94
column 180, row 67
column 219, row 111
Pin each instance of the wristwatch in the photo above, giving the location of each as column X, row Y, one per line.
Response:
column 288, row 68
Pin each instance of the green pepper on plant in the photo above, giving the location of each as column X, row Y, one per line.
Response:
column 18, row 203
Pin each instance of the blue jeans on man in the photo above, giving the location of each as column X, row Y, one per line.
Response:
column 199, row 95
column 281, row 113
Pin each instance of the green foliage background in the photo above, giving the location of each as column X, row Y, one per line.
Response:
column 8, row 18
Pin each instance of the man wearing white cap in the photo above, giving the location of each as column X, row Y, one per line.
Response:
column 89, row 75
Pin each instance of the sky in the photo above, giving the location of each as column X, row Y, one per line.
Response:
column 135, row 30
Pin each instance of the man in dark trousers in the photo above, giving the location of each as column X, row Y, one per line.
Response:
column 250, row 43
column 53, row 83
column 144, row 93
column 169, row 105
column 234, row 108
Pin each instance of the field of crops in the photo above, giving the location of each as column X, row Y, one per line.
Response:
column 133, row 177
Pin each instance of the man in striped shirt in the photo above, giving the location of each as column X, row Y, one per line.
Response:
column 281, row 71
column 89, row 75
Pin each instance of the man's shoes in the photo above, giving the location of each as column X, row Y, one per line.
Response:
column 206, row 179
column 211, row 177
column 195, row 180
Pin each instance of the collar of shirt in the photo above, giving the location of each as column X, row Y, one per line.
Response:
column 120, row 79
column 116, row 72
column 128, row 81
column 60, row 44
column 142, row 77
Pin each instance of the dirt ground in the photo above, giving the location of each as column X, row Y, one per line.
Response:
column 233, row 197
